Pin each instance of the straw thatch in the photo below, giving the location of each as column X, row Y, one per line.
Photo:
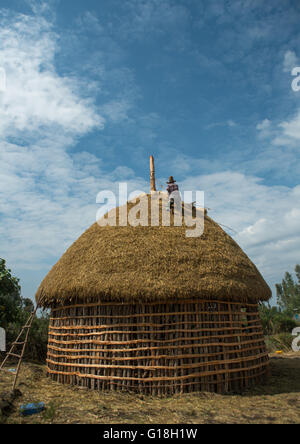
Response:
column 146, row 263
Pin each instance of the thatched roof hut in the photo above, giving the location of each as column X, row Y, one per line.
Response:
column 145, row 308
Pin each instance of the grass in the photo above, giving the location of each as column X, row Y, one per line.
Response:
column 278, row 401
column 280, row 341
column 51, row 412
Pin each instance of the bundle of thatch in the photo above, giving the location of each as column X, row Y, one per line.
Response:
column 152, row 263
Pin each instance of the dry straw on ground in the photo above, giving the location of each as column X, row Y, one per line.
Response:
column 278, row 401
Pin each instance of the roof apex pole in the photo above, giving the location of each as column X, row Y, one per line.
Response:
column 152, row 174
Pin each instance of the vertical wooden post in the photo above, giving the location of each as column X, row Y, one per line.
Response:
column 152, row 174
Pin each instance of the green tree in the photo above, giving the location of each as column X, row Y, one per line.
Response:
column 14, row 313
column 275, row 321
column 10, row 295
column 288, row 293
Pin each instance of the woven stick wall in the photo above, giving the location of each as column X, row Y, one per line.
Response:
column 158, row 348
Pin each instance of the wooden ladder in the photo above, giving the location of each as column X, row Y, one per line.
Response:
column 17, row 342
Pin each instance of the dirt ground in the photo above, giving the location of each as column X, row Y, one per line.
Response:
column 278, row 401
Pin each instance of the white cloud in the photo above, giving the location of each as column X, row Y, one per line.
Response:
column 154, row 18
column 266, row 218
column 289, row 61
column 277, row 153
column 36, row 97
column 264, row 129
column 231, row 123
column 48, row 200
column 117, row 110
column 291, row 129
column 265, row 124
column 91, row 22
column 286, row 133
column 47, row 193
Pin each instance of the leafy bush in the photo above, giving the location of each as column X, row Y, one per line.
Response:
column 288, row 293
column 14, row 313
column 36, row 349
column 281, row 341
column 275, row 321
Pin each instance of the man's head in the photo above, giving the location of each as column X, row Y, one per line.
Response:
column 171, row 180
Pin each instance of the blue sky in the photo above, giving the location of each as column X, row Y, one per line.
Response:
column 95, row 87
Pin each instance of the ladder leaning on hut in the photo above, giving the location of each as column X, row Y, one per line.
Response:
column 18, row 341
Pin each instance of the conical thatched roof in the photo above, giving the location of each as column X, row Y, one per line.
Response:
column 152, row 263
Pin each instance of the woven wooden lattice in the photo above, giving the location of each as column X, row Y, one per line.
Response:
column 158, row 348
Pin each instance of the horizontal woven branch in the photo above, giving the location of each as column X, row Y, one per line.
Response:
column 175, row 313
column 151, row 304
column 162, row 367
column 141, row 358
column 143, row 332
column 142, row 324
column 153, row 379
column 183, row 384
column 146, row 341
column 170, row 347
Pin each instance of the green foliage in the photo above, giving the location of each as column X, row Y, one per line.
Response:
column 275, row 321
column 288, row 293
column 51, row 411
column 14, row 312
column 10, row 295
column 280, row 341
column 8, row 283
column 36, row 348
column 279, row 319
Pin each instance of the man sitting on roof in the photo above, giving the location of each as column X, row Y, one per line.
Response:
column 174, row 195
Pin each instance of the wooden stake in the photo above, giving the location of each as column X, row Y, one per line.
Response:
column 152, row 174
